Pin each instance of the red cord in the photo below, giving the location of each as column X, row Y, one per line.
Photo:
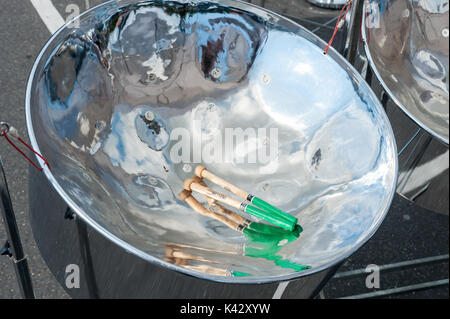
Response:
column 5, row 134
column 347, row 6
column 368, row 29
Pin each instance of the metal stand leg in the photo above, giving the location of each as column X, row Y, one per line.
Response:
column 384, row 99
column 369, row 74
column 86, row 256
column 418, row 148
column 13, row 247
column 351, row 43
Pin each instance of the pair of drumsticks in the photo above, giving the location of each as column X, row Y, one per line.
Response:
column 233, row 220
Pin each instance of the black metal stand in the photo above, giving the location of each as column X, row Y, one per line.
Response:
column 354, row 29
column 13, row 246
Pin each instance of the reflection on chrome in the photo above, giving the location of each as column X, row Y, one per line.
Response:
column 408, row 49
column 105, row 98
column 332, row 4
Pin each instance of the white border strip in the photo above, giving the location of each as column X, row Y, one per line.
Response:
column 424, row 173
column 49, row 15
column 280, row 290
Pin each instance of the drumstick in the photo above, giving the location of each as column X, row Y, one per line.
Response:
column 187, row 197
column 222, row 210
column 202, row 172
column 254, row 226
column 230, row 214
column 190, row 185
column 254, row 231
column 237, row 223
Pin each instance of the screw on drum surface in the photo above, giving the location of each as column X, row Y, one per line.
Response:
column 151, row 77
column 153, row 181
column 266, row 79
column 216, row 73
column 100, row 125
column 187, row 168
column 445, row 32
column 211, row 107
column 149, row 116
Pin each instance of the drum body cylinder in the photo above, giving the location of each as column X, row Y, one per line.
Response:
column 109, row 271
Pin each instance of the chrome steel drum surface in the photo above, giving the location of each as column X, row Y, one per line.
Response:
column 333, row 4
column 105, row 102
column 407, row 45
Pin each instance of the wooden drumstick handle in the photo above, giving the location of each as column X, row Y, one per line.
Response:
column 220, row 209
column 190, row 185
column 202, row 172
column 200, row 209
column 230, row 214
column 174, row 253
column 177, row 261
column 210, row 270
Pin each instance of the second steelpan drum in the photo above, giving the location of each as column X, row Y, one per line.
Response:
column 407, row 44
column 114, row 92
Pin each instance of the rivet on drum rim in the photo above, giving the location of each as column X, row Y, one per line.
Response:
column 445, row 32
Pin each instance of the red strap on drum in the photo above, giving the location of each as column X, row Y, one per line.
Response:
column 340, row 20
column 5, row 134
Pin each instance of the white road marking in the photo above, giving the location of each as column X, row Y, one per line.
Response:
column 49, row 15
column 280, row 290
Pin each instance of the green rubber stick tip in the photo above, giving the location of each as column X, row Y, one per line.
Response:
column 271, row 254
column 275, row 231
column 272, row 239
column 249, row 209
column 256, row 237
column 239, row 274
column 258, row 202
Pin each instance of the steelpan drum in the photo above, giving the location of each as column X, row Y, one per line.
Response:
column 406, row 42
column 127, row 99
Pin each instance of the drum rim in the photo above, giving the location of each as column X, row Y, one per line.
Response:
column 329, row 4
column 154, row 260
column 394, row 98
